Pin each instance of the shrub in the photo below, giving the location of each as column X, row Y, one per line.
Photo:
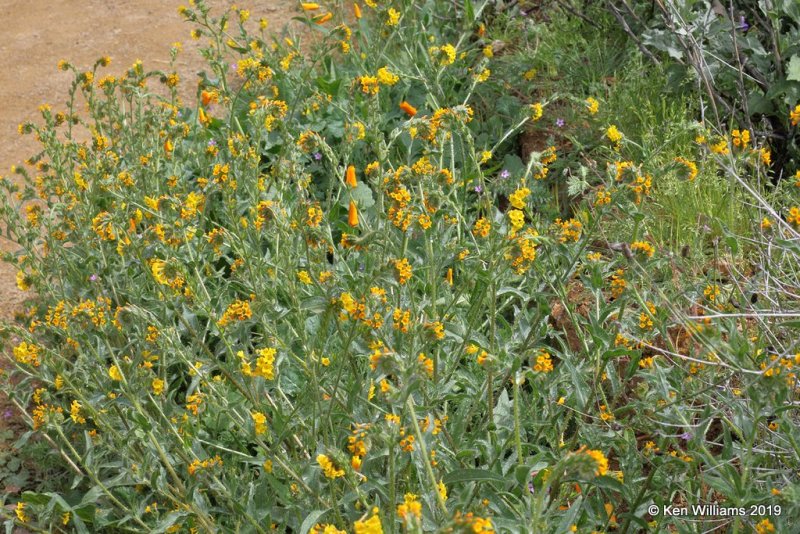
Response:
column 745, row 58
column 326, row 298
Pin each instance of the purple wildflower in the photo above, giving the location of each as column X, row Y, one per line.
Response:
column 317, row 156
column 686, row 436
column 8, row 414
column 560, row 122
column 743, row 25
column 93, row 278
column 212, row 142
column 478, row 189
column 504, row 174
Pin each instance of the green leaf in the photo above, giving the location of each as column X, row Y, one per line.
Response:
column 503, row 417
column 733, row 244
column 362, row 194
column 757, row 103
column 779, row 88
column 719, row 484
column 469, row 12
column 513, row 164
column 23, row 440
column 466, row 453
column 570, row 516
column 790, row 245
column 13, row 464
column 330, row 87
column 335, row 128
column 514, row 291
column 472, row 475
column 168, row 521
column 315, row 304
column 791, row 8
column 576, row 186
column 609, row 483
column 311, row 520
column 521, row 474
column 36, row 499
column 94, row 494
column 793, row 69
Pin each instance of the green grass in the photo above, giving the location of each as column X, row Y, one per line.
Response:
column 657, row 112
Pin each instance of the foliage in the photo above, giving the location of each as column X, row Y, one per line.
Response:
column 337, row 293
column 745, row 56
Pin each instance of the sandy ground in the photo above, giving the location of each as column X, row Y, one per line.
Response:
column 36, row 34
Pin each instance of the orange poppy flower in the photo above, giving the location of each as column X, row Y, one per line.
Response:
column 207, row 97
column 408, row 108
column 352, row 214
column 322, row 19
column 350, row 176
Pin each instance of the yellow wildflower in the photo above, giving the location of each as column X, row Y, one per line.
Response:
column 369, row 85
column 536, row 111
column 393, row 17
column 330, row 469
column 322, row 19
column 445, row 53
column 411, row 507
column 794, row 216
column 517, row 198
column 614, row 135
column 599, row 459
column 158, row 386
column 259, row 422
column 794, row 115
column 765, row 526
column 544, row 363
column 691, row 167
column 386, row 77
column 373, row 524
column 517, row 219
column 352, row 214
column 482, row 227
column 265, row 363
column 238, row 310
column 20, row 511
column 22, row 281
column 644, row 247
column 740, row 138
column 765, row 155
column 403, row 270
column 304, row 277
column 75, row 412
column 114, row 373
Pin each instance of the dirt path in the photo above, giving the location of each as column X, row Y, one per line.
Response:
column 36, row 34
